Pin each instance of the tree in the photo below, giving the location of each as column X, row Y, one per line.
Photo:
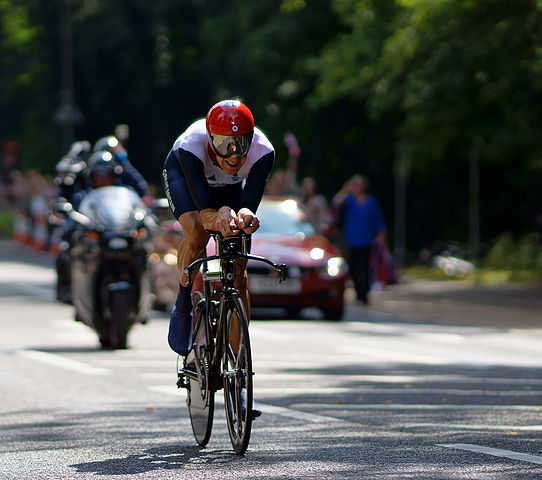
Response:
column 448, row 72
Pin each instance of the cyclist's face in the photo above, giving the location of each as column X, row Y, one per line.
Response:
column 231, row 165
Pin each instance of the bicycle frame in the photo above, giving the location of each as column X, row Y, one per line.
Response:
column 226, row 254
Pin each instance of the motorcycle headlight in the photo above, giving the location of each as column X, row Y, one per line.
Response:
column 335, row 266
column 117, row 243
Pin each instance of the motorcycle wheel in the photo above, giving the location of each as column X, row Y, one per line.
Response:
column 120, row 324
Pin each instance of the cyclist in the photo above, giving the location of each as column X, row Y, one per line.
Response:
column 214, row 178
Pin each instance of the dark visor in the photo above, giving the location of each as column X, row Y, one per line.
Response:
column 227, row 146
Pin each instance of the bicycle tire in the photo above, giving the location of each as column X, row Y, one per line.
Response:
column 237, row 378
column 200, row 398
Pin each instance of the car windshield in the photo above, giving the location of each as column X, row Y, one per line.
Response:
column 283, row 217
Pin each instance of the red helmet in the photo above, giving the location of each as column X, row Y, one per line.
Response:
column 230, row 126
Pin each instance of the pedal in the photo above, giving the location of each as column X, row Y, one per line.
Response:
column 182, row 381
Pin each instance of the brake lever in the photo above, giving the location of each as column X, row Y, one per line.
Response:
column 282, row 271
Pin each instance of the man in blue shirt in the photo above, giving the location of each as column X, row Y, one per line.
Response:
column 363, row 223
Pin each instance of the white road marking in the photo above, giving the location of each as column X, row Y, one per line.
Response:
column 470, row 426
column 409, row 406
column 496, row 452
column 157, row 375
column 17, row 272
column 296, row 414
column 406, row 390
column 167, row 389
column 294, row 377
column 136, row 362
column 62, row 362
column 264, row 407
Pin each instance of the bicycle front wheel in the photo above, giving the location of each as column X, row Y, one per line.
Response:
column 237, row 375
column 200, row 396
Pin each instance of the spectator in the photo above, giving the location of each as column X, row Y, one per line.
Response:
column 275, row 185
column 362, row 224
column 10, row 160
column 315, row 203
column 18, row 197
column 283, row 181
column 38, row 209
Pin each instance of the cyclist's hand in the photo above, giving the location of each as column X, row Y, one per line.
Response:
column 225, row 221
column 247, row 221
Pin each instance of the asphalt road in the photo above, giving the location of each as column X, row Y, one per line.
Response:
column 406, row 389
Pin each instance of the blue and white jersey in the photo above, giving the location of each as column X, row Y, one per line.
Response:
column 195, row 140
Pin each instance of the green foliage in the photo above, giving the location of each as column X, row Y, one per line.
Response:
column 429, row 273
column 509, row 259
column 355, row 80
column 6, row 223
column 524, row 253
column 448, row 67
column 292, row 5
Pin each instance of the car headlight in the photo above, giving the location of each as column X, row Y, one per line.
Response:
column 335, row 266
column 170, row 258
column 317, row 253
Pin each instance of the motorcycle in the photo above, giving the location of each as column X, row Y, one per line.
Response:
column 110, row 278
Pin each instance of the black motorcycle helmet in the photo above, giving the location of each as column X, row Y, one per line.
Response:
column 102, row 169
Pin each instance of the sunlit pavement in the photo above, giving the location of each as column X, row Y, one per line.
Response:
column 508, row 306
column 398, row 389
column 512, row 305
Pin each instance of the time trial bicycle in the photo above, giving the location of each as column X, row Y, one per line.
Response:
column 221, row 357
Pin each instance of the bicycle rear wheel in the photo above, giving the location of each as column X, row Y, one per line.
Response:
column 200, row 397
column 237, row 371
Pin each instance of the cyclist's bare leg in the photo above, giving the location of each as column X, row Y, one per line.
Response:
column 193, row 245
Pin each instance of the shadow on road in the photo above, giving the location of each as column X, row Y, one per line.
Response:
column 167, row 457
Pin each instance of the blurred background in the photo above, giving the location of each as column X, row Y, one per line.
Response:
column 437, row 102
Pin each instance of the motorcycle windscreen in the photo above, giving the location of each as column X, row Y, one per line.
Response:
column 115, row 208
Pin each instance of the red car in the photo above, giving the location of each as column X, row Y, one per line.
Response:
column 317, row 271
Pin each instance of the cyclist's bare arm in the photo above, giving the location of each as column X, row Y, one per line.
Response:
column 222, row 220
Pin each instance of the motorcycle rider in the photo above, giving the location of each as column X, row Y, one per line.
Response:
column 214, row 178
column 102, row 170
column 70, row 169
column 129, row 175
